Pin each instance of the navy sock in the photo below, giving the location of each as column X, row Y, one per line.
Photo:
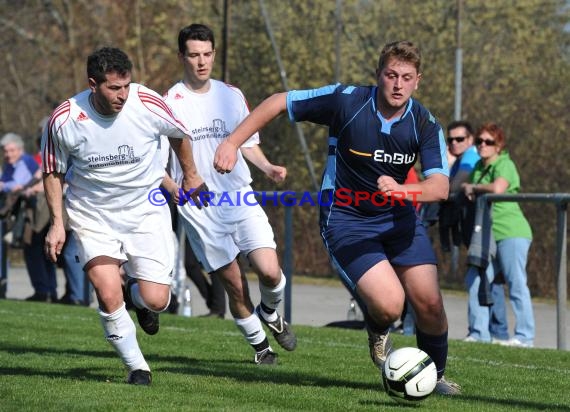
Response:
column 264, row 344
column 435, row 347
column 266, row 308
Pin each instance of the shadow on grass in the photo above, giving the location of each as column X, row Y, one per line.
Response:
column 245, row 371
column 240, row 370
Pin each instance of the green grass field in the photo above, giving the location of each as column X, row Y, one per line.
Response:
column 54, row 357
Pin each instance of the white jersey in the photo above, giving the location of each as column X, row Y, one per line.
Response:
column 210, row 118
column 114, row 160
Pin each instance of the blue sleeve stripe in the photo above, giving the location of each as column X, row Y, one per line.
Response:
column 434, row 171
column 296, row 95
column 329, row 176
column 443, row 152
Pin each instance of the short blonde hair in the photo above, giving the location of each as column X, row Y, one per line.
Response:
column 403, row 50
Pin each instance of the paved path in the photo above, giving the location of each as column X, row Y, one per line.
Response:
column 320, row 305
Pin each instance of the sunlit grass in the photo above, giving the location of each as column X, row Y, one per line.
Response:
column 54, row 357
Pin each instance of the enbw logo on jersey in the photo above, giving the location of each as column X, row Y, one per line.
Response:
column 394, row 158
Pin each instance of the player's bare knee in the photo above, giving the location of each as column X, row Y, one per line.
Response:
column 433, row 307
column 384, row 315
column 158, row 306
column 109, row 301
column 270, row 278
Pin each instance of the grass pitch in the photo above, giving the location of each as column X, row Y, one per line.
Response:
column 54, row 358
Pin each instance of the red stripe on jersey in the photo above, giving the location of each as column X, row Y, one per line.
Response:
column 62, row 111
column 158, row 102
column 149, row 98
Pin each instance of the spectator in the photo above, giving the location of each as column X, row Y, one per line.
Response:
column 213, row 109
column 460, row 145
column 21, row 177
column 109, row 136
column 457, row 224
column 19, row 167
column 41, row 270
column 496, row 173
column 382, row 252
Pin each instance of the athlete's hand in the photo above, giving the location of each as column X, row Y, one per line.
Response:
column 276, row 173
column 225, row 157
column 198, row 192
column 387, row 184
column 54, row 241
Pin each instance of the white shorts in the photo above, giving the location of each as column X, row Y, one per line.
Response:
column 147, row 249
column 218, row 234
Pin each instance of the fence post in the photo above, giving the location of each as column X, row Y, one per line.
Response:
column 561, row 223
column 561, row 202
column 288, row 261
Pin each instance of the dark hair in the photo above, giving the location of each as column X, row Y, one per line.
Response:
column 460, row 123
column 496, row 131
column 107, row 60
column 402, row 50
column 195, row 32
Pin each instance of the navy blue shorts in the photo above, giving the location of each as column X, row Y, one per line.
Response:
column 357, row 243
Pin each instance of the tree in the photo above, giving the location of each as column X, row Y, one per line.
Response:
column 515, row 72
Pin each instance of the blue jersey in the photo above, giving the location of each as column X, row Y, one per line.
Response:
column 364, row 146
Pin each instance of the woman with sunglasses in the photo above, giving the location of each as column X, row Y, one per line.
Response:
column 497, row 173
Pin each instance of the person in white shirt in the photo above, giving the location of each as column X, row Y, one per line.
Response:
column 212, row 109
column 108, row 136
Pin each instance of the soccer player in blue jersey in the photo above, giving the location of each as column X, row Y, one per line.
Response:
column 371, row 229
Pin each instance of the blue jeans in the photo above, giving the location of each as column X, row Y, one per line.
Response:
column 498, row 323
column 74, row 274
column 511, row 259
column 41, row 270
column 485, row 322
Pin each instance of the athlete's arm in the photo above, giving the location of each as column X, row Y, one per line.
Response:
column 226, row 153
column 256, row 156
column 433, row 188
column 55, row 238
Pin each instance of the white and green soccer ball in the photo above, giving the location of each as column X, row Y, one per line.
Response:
column 409, row 375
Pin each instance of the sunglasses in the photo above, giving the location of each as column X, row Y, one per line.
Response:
column 488, row 142
column 458, row 139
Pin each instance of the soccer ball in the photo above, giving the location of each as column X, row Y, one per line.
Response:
column 409, row 374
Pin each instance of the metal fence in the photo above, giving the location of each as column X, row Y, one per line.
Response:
column 560, row 200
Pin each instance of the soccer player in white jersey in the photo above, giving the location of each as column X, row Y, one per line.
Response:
column 211, row 109
column 105, row 142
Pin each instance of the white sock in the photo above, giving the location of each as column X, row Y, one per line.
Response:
column 251, row 329
column 121, row 333
column 272, row 297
